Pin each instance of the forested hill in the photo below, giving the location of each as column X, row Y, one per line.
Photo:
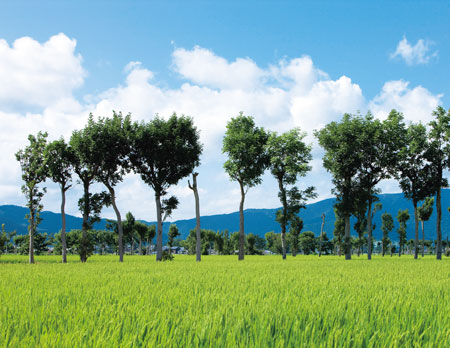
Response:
column 258, row 221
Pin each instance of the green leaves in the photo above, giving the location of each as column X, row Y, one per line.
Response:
column 244, row 143
column 163, row 152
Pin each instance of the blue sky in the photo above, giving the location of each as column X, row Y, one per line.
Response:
column 286, row 63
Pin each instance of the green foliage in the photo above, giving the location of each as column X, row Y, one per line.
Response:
column 295, row 228
column 173, row 233
column 273, row 242
column 289, row 159
column 307, row 242
column 34, row 172
column 244, row 145
column 59, row 159
column 387, row 225
column 163, row 152
column 40, row 242
column 402, row 218
column 3, row 240
column 426, row 209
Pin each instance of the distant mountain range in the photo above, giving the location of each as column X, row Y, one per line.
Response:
column 257, row 221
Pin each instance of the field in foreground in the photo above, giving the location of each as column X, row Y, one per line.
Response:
column 260, row 302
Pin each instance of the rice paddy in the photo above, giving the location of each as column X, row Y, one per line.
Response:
column 220, row 302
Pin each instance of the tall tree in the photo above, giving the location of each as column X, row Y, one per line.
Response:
column 163, row 152
column 289, row 157
column 129, row 230
column 244, row 143
column 151, row 233
column 174, row 232
column 342, row 159
column 198, row 245
column 59, row 159
column 379, row 144
column 295, row 228
column 387, row 225
column 142, row 232
column 339, row 230
column 414, row 172
column 90, row 205
column 402, row 218
column 110, row 138
column 34, row 172
column 321, row 234
column 438, row 156
column 424, row 212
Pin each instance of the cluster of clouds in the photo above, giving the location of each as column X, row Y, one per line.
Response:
column 39, row 95
column 420, row 53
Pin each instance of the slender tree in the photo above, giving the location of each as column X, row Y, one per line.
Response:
column 424, row 212
column 339, row 230
column 289, row 157
column 198, row 245
column 90, row 205
column 129, row 230
column 110, row 138
column 59, row 159
column 163, row 152
column 342, row 159
column 402, row 218
column 295, row 228
column 244, row 143
column 34, row 172
column 414, row 172
column 141, row 231
column 387, row 225
column 438, row 156
column 174, row 232
column 151, row 232
column 379, row 144
column 321, row 234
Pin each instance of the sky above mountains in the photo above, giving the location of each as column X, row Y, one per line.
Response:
column 288, row 64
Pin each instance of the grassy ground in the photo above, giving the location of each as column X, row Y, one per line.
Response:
column 260, row 302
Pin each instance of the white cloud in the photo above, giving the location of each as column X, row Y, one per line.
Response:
column 286, row 94
column 420, row 53
column 38, row 74
column 415, row 103
column 203, row 67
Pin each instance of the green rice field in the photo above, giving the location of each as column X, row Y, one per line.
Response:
column 220, row 302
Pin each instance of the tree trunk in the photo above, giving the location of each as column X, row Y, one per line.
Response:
column 423, row 238
column 148, row 246
column 159, row 228
column 369, row 231
column 347, row 241
column 119, row 219
column 31, row 230
column 140, row 245
column 321, row 233
column 283, row 220
column 84, row 226
column 416, row 231
column 241, row 224
column 438, row 226
column 198, row 243
column 63, row 227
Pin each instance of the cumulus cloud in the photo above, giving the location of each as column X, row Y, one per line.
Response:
column 289, row 93
column 415, row 103
column 420, row 53
column 38, row 74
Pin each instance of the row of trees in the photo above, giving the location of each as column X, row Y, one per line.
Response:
column 360, row 151
column 161, row 151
